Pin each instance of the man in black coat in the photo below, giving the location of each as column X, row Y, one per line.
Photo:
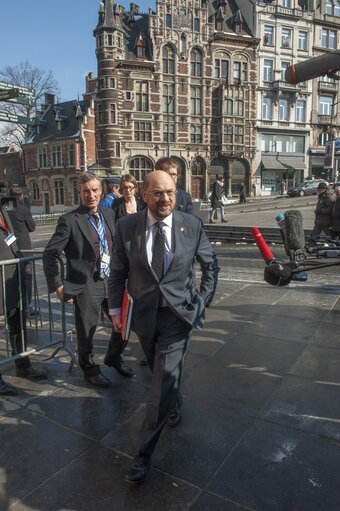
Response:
column 85, row 236
column 183, row 199
column 23, row 223
column 10, row 251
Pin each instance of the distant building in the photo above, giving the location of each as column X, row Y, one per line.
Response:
column 180, row 81
column 60, row 145
column 11, row 166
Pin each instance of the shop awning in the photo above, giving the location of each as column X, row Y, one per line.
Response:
column 283, row 163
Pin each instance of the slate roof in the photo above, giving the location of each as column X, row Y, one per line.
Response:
column 68, row 113
column 236, row 10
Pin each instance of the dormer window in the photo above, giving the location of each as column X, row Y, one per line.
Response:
column 238, row 27
column 219, row 25
column 141, row 46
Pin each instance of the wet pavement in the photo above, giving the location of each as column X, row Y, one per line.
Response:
column 260, row 428
column 261, row 412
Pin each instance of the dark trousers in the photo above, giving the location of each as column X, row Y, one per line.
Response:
column 87, row 309
column 317, row 230
column 165, row 353
column 18, row 341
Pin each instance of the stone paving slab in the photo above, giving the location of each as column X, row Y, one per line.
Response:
column 260, row 428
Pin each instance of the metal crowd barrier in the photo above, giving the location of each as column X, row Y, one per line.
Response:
column 45, row 313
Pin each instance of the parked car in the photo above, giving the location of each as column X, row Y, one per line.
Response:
column 306, row 188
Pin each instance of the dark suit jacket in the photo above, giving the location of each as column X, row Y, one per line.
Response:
column 119, row 207
column 11, row 273
column 183, row 201
column 178, row 285
column 73, row 236
column 23, row 224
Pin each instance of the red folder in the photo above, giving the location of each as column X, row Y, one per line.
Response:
column 127, row 305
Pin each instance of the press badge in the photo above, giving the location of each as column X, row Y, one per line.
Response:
column 10, row 239
column 106, row 258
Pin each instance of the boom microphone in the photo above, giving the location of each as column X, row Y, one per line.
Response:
column 294, row 235
column 312, row 68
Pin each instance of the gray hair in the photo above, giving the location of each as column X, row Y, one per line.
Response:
column 85, row 177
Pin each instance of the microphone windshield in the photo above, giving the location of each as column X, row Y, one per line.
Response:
column 295, row 236
column 277, row 274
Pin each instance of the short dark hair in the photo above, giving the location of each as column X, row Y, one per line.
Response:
column 111, row 186
column 165, row 164
column 15, row 191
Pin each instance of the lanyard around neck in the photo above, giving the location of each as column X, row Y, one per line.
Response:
column 102, row 239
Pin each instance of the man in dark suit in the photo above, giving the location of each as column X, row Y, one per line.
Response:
column 155, row 250
column 85, row 235
column 16, row 325
column 23, row 224
column 183, row 199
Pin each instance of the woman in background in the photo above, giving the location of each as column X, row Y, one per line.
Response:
column 130, row 202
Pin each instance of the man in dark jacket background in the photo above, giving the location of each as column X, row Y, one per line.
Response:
column 323, row 212
column 216, row 199
column 23, row 223
column 336, row 214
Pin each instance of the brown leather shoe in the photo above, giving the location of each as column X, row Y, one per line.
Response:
column 225, row 221
column 212, row 222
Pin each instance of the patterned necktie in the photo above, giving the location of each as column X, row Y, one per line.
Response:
column 104, row 267
column 158, row 251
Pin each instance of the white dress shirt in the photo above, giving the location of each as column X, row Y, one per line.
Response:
column 150, row 234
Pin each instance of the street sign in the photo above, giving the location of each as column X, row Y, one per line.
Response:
column 25, row 91
column 19, row 119
column 23, row 100
column 8, row 94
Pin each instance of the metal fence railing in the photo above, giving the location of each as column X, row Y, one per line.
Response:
column 46, row 320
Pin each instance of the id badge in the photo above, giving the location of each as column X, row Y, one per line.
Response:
column 106, row 258
column 10, row 239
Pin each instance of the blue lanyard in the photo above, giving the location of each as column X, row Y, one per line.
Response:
column 102, row 240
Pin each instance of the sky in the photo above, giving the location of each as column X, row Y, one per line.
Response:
column 54, row 35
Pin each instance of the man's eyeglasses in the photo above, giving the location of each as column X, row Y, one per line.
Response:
column 158, row 194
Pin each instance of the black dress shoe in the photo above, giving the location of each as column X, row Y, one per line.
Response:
column 175, row 416
column 30, row 373
column 139, row 469
column 99, row 380
column 123, row 369
column 7, row 390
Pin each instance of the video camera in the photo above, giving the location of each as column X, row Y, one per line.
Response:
column 6, row 202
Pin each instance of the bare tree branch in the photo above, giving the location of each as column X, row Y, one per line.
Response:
column 24, row 75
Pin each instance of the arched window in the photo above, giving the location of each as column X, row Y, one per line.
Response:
column 139, row 167
column 221, row 65
column 168, row 60
column 196, row 62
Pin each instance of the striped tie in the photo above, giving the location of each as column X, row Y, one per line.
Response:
column 104, row 267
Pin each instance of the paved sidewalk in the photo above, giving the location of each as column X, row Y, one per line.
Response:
column 260, row 428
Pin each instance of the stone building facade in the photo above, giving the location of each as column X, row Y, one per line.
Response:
column 180, row 81
column 60, row 145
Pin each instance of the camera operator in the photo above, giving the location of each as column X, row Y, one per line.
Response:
column 9, row 250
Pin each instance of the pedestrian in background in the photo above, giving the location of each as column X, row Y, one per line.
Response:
column 336, row 214
column 282, row 188
column 183, row 199
column 323, row 212
column 216, row 199
column 111, row 193
column 243, row 193
column 23, row 223
column 130, row 202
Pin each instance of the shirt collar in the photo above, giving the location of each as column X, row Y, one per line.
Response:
column 151, row 220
